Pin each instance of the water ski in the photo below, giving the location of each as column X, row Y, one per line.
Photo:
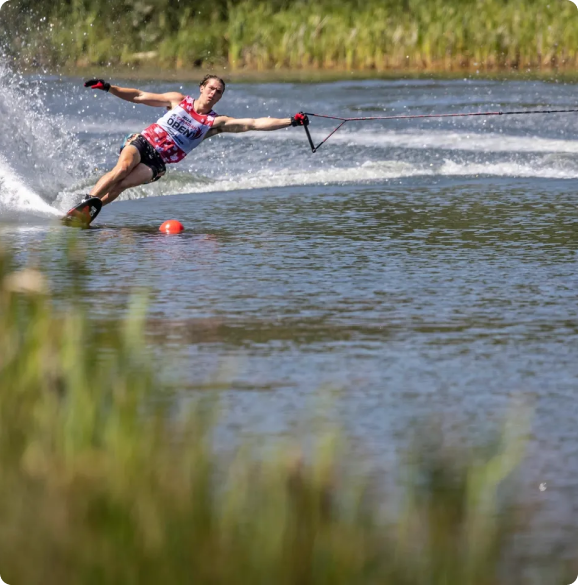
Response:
column 84, row 213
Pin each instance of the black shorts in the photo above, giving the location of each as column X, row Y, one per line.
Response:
column 148, row 155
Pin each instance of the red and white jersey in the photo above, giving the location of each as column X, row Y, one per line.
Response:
column 179, row 131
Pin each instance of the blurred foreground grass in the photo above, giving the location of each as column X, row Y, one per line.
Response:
column 101, row 481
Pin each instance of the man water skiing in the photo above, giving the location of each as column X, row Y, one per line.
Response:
column 143, row 157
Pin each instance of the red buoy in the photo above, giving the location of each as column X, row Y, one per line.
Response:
column 172, row 226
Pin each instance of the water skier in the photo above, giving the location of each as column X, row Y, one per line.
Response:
column 143, row 157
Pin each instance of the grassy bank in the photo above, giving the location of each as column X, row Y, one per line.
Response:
column 375, row 35
column 103, row 480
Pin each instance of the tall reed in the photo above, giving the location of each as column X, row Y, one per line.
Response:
column 377, row 35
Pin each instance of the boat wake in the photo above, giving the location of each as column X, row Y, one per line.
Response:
column 179, row 182
column 477, row 142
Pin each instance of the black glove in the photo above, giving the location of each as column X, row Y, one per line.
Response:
column 300, row 119
column 97, row 84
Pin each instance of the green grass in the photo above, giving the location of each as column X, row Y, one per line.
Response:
column 107, row 476
column 374, row 35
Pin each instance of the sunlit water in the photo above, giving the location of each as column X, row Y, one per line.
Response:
column 416, row 268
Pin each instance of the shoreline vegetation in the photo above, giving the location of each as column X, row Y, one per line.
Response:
column 326, row 36
column 145, row 73
column 109, row 476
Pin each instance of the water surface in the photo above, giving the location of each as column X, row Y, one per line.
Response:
column 416, row 268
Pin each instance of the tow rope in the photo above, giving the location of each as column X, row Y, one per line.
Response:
column 413, row 117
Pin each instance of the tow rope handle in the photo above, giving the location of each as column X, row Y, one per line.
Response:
column 311, row 143
column 313, row 147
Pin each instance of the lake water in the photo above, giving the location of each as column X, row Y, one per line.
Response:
column 415, row 268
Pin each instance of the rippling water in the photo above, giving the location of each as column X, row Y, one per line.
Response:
column 418, row 267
